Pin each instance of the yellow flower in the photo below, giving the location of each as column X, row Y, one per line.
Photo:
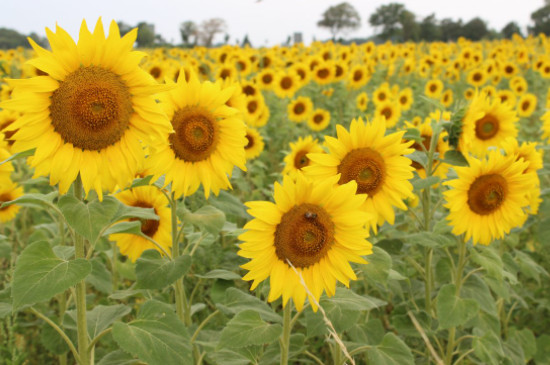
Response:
column 9, row 191
column 527, row 104
column 286, row 84
column 297, row 159
column 433, row 88
column 317, row 227
column 361, row 101
column 389, row 111
column 299, row 109
column 255, row 144
column 319, row 119
column 405, row 99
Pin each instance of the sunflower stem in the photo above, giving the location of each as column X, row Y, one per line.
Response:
column 285, row 337
column 82, row 327
column 181, row 302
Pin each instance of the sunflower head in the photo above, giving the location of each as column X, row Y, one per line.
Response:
column 9, row 191
column 297, row 159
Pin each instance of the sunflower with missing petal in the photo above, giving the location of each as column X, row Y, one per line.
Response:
column 91, row 114
column 487, row 123
column 160, row 231
column 374, row 160
column 297, row 159
column 255, row 144
column 209, row 138
column 488, row 198
column 317, row 226
column 9, row 191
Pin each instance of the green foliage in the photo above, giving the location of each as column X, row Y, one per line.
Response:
column 392, row 351
column 247, row 328
column 156, row 272
column 452, row 310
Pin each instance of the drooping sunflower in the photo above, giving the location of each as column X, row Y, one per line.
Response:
column 299, row 109
column 160, row 231
column 374, row 160
column 9, row 191
column 297, row 158
column 488, row 198
column 91, row 114
column 527, row 104
column 487, row 123
column 209, row 138
column 319, row 119
column 255, row 144
column 318, row 227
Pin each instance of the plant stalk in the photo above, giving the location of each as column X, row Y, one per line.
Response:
column 181, row 305
column 285, row 337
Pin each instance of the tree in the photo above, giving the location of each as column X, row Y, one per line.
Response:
column 188, row 32
column 429, row 30
column 388, row 17
column 146, row 35
column 510, row 29
column 541, row 18
column 475, row 29
column 208, row 30
column 410, row 30
column 340, row 19
column 450, row 30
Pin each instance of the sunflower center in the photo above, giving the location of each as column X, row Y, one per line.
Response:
column 525, row 105
column 250, row 143
column 5, row 198
column 323, row 73
column 267, row 79
column 304, row 235
column 252, row 106
column 91, row 108
column 286, row 83
column 148, row 226
column 196, row 134
column 318, row 118
column 299, row 108
column 357, row 75
column 249, row 90
column 366, row 167
column 155, row 72
column 487, row 127
column 433, row 88
column 301, row 160
column 487, row 193
column 386, row 112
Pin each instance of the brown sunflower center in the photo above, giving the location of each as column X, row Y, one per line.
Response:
column 487, row 127
column 249, row 90
column 91, row 108
column 299, row 108
column 357, row 75
column 366, row 167
column 525, row 105
column 196, row 134
column 477, row 77
column 487, row 193
column 6, row 197
column 286, row 83
column 267, row 79
column 301, row 160
column 323, row 73
column 386, row 112
column 318, row 118
column 250, row 143
column 304, row 235
column 433, row 88
column 156, row 72
column 252, row 106
column 148, row 226
column 403, row 100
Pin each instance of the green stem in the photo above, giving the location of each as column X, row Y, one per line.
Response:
column 82, row 327
column 181, row 304
column 114, row 273
column 285, row 337
column 428, row 284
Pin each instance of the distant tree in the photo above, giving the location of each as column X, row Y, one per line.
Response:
column 429, row 29
column 340, row 19
column 246, row 42
column 388, row 17
column 541, row 18
column 450, row 30
column 510, row 29
column 208, row 30
column 146, row 35
column 10, row 38
column 410, row 30
column 475, row 29
column 124, row 28
column 189, row 32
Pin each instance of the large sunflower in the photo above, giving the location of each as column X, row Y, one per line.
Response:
column 374, row 160
column 317, row 226
column 209, row 138
column 487, row 123
column 160, row 231
column 91, row 111
column 488, row 197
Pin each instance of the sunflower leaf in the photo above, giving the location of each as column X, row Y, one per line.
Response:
column 207, row 217
column 40, row 274
column 392, row 351
column 19, row 155
column 237, row 301
column 453, row 310
column 421, row 184
column 32, row 200
column 156, row 272
column 455, row 158
column 247, row 328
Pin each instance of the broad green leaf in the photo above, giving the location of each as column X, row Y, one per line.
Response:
column 475, row 288
column 528, row 266
column 378, row 268
column 64, row 252
column 420, row 157
column 452, row 310
column 33, row 200
column 156, row 337
column 412, row 134
column 19, row 155
column 228, row 203
column 237, row 301
column 455, row 158
column 488, row 259
column 133, row 227
column 51, row 340
column 100, row 278
column 370, row 333
column 272, row 354
column 101, row 317
column 118, row 357
column 527, row 341
column 40, row 274
column 156, row 272
column 207, row 217
column 488, row 348
column 5, row 309
column 247, row 328
column 5, row 250
column 429, row 239
column 542, row 357
column 220, row 274
column 142, row 181
column 346, row 299
column 421, row 184
column 392, row 351
column 405, row 327
column 341, row 319
column 230, row 357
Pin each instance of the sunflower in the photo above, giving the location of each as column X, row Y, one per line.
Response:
column 477, row 77
column 299, row 109
column 446, row 98
column 442, row 146
column 527, row 104
column 317, row 227
column 254, row 105
column 160, row 231
column 9, row 191
column 157, row 70
column 90, row 113
column 209, row 138
column 390, row 111
column 507, row 97
column 323, row 73
column 382, row 94
column 302, row 70
column 405, row 99
column 469, row 93
column 319, row 119
column 433, row 88
column 518, row 84
column 7, row 117
column 488, row 197
column 255, row 144
column 265, row 79
column 361, row 101
column 297, row 158
column 509, row 69
column 286, row 84
column 374, row 160
column 358, row 76
column 487, row 123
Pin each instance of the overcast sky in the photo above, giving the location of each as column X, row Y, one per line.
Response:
column 267, row 22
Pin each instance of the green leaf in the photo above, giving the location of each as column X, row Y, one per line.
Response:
column 100, row 278
column 392, row 351
column 488, row 348
column 346, row 299
column 207, row 217
column 475, row 288
column 488, row 259
column 156, row 272
column 101, row 317
column 33, row 200
column 378, row 268
column 5, row 309
column 228, row 203
column 247, row 328
column 237, row 301
column 420, row 184
column 51, row 340
column 429, row 239
column 420, row 157
column 5, row 250
column 455, row 158
column 19, row 155
column 220, row 274
column 40, row 274
column 452, row 310
column 542, row 357
column 142, row 181
column 156, row 337
column 412, row 134
column 528, row 266
column 133, row 227
column 118, row 357
column 527, row 341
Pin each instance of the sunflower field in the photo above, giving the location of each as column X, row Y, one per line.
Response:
column 331, row 204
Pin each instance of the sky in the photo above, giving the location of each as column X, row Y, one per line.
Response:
column 267, row 22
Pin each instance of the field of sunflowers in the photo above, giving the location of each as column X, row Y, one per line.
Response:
column 383, row 204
